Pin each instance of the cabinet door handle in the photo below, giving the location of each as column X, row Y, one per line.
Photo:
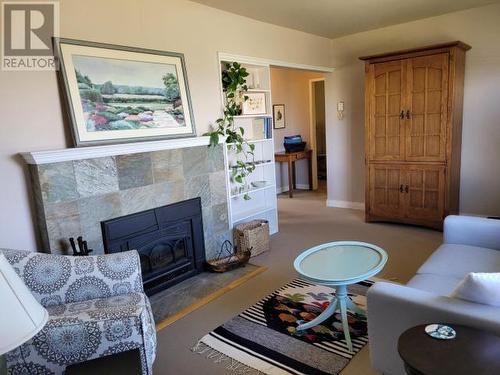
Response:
column 407, row 189
column 408, row 114
column 402, row 114
column 401, row 188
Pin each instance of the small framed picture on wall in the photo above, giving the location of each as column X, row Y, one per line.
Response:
column 279, row 116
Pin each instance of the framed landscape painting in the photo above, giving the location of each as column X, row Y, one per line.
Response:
column 120, row 94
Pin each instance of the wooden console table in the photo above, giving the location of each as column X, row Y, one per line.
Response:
column 290, row 158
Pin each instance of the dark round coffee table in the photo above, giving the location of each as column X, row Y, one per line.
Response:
column 473, row 352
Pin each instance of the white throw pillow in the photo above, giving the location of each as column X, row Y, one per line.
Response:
column 479, row 287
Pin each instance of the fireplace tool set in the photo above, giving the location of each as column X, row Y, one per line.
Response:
column 83, row 248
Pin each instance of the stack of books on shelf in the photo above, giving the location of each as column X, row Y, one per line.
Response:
column 262, row 128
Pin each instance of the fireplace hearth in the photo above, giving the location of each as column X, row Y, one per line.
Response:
column 169, row 240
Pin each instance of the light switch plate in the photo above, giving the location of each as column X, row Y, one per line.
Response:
column 340, row 110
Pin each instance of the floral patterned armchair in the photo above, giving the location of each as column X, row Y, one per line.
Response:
column 96, row 306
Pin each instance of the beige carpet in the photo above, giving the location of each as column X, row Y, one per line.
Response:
column 304, row 221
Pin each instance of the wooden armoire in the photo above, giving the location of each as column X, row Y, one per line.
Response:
column 413, row 133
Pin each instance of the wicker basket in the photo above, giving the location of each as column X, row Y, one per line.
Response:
column 253, row 236
column 229, row 263
column 228, row 258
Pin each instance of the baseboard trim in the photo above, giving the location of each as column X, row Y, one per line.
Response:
column 282, row 189
column 345, row 204
column 470, row 214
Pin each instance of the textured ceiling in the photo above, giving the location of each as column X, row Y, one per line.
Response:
column 334, row 18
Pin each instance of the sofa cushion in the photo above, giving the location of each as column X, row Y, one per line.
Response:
column 436, row 284
column 479, row 287
column 459, row 260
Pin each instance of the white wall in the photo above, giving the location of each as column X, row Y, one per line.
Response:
column 291, row 88
column 30, row 105
column 32, row 119
column 480, row 177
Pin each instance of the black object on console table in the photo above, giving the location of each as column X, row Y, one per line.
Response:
column 294, row 143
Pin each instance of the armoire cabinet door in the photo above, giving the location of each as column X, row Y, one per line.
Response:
column 427, row 88
column 385, row 96
column 425, row 198
column 386, row 186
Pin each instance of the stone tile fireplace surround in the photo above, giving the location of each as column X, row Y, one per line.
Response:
column 76, row 189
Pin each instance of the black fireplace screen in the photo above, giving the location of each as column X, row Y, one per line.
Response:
column 164, row 254
column 169, row 240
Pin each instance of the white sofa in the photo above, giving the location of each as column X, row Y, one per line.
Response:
column 471, row 244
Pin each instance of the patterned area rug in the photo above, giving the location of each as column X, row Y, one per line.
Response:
column 263, row 339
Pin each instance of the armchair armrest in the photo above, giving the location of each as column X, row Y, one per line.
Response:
column 474, row 231
column 394, row 308
column 58, row 279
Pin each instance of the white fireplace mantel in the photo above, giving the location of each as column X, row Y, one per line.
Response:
column 69, row 154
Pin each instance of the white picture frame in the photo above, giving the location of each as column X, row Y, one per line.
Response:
column 255, row 104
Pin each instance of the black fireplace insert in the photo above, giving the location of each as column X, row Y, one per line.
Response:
column 169, row 240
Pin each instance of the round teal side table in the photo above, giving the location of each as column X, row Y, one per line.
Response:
column 339, row 264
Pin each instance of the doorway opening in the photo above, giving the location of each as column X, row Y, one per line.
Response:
column 296, row 105
column 318, row 132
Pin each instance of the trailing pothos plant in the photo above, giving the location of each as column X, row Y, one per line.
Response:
column 234, row 88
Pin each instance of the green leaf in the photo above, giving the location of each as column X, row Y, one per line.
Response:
column 246, row 197
column 214, row 139
column 234, row 87
column 296, row 297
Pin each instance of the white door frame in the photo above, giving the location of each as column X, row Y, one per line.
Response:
column 312, row 131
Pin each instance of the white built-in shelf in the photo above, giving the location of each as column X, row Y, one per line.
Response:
column 256, row 165
column 260, row 140
column 263, row 202
column 244, row 215
column 253, row 190
column 253, row 141
column 253, row 116
column 258, row 90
